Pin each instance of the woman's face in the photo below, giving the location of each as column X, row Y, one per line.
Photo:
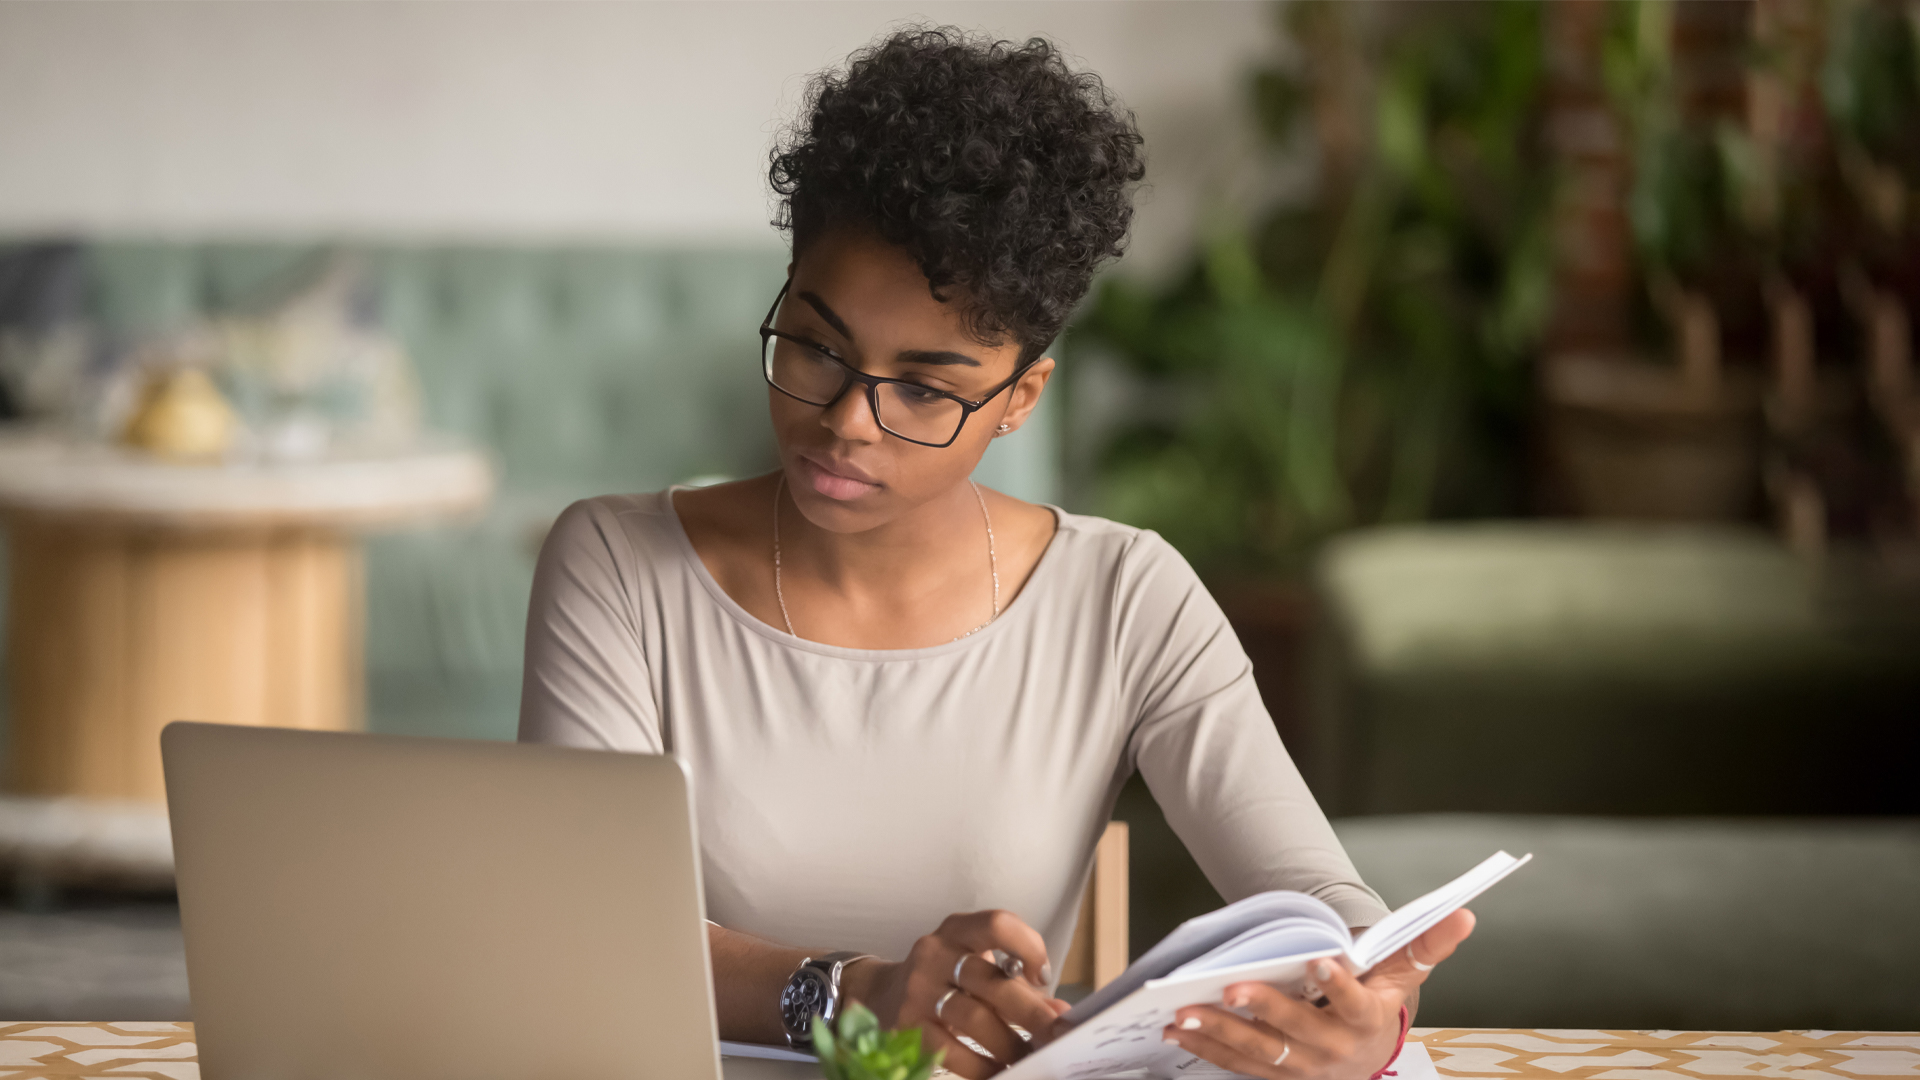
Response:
column 867, row 302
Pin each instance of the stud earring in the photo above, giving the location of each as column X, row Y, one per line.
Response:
column 1003, row 429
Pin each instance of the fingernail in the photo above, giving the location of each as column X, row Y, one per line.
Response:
column 1322, row 970
column 1170, row 1040
column 1046, row 973
column 1191, row 1023
column 1239, row 999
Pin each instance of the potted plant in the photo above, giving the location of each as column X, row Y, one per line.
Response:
column 860, row 1050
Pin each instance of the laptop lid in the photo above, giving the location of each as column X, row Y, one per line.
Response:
column 362, row 907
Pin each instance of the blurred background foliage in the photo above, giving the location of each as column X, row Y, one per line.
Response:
column 1805, row 182
column 1366, row 347
column 1358, row 353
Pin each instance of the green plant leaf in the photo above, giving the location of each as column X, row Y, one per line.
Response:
column 827, row 1050
column 862, row 1050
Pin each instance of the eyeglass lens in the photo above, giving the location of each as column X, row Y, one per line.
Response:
column 818, row 379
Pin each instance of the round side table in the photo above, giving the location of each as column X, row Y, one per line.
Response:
column 143, row 592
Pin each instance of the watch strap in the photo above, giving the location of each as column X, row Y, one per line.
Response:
column 843, row 958
column 830, row 965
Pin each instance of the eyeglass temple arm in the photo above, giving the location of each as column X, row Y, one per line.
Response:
column 767, row 323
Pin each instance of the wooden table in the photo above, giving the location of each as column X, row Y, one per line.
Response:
column 162, row 1051
column 143, row 592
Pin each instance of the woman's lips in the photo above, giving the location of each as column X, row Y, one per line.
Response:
column 835, row 485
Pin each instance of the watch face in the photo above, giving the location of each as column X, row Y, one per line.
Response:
column 805, row 997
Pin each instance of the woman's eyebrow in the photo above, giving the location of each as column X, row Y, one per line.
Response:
column 826, row 313
column 936, row 356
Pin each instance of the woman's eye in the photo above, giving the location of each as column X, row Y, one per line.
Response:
column 920, row 394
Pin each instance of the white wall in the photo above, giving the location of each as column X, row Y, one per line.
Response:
column 635, row 121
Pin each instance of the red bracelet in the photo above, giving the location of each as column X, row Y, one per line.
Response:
column 1406, row 1021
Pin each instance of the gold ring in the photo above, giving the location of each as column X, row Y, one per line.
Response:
column 942, row 1004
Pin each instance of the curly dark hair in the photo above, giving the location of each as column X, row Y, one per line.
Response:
column 1006, row 175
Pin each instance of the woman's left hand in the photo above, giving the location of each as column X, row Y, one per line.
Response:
column 1351, row 1038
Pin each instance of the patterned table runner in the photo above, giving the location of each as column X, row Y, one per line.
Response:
column 163, row 1051
column 1671, row 1055
column 159, row 1051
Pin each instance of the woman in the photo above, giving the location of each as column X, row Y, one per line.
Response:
column 908, row 701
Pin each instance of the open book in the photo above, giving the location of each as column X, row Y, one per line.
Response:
column 1270, row 938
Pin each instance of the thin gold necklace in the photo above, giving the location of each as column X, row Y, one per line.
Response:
column 993, row 561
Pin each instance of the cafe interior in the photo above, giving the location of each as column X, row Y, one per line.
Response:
column 1533, row 384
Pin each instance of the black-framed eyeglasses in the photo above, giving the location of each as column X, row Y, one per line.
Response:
column 811, row 373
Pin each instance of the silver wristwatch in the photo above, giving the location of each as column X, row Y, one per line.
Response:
column 814, row 990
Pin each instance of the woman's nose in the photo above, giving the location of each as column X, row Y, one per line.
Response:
column 851, row 417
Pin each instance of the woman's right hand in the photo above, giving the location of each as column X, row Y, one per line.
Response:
column 986, row 1004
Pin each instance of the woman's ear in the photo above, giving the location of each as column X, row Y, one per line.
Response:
column 1025, row 395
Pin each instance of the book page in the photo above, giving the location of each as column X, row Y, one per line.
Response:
column 1197, row 936
column 1410, row 920
column 1126, row 1036
column 1273, row 941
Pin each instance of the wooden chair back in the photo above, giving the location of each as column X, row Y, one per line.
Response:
column 1099, row 950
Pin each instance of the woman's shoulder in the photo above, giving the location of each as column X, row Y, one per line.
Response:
column 1087, row 529
column 617, row 528
column 1127, row 555
column 650, row 509
column 663, row 536
column 1104, row 534
column 1136, row 584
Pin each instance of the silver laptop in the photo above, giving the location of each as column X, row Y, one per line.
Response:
column 361, row 907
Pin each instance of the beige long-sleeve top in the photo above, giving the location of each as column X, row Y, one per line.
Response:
column 853, row 798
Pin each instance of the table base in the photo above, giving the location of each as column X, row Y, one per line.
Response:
column 117, row 631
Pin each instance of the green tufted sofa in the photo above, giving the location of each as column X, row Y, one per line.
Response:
column 582, row 369
column 1554, row 667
